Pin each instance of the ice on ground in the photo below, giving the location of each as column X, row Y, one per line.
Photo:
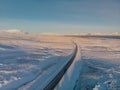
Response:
column 27, row 59
column 98, row 67
column 101, row 62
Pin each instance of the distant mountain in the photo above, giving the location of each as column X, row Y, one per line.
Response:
column 50, row 34
column 11, row 31
column 97, row 33
column 18, row 32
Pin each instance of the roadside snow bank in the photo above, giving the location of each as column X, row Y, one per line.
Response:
column 69, row 80
column 29, row 61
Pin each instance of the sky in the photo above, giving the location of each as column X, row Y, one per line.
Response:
column 60, row 16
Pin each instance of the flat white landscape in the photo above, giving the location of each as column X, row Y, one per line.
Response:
column 30, row 61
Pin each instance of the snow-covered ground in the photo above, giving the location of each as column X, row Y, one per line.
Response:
column 96, row 67
column 100, row 59
column 29, row 61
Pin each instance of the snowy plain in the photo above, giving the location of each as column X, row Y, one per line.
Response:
column 29, row 61
column 96, row 67
column 26, row 59
column 100, row 59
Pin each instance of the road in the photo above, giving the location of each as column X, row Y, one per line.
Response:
column 51, row 85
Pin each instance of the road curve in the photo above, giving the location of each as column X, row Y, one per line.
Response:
column 51, row 85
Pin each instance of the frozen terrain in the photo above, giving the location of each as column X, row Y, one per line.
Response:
column 27, row 62
column 30, row 61
column 100, row 59
column 96, row 67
